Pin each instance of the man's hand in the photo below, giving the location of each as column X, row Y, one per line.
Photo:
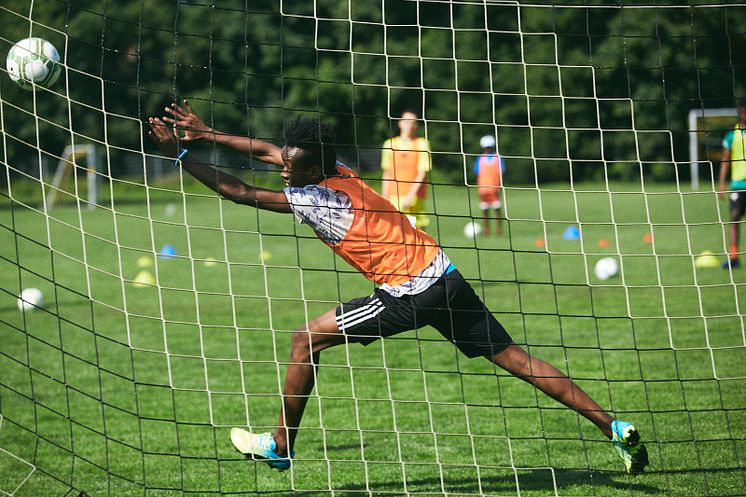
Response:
column 187, row 120
column 165, row 136
column 407, row 202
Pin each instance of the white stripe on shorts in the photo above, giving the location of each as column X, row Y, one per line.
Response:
column 360, row 310
column 368, row 311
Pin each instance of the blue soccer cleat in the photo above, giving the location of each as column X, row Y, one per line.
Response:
column 260, row 447
column 626, row 441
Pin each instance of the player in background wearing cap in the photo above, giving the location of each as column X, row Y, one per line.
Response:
column 489, row 169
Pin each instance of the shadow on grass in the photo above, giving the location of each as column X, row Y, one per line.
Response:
column 503, row 481
column 537, row 480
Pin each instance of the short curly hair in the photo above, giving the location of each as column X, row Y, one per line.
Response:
column 316, row 139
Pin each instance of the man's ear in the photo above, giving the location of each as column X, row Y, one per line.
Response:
column 315, row 172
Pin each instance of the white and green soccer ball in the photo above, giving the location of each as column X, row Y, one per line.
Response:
column 33, row 61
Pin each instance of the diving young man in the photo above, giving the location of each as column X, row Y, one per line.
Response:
column 418, row 284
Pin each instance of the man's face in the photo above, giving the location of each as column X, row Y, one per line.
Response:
column 294, row 172
column 742, row 114
column 408, row 124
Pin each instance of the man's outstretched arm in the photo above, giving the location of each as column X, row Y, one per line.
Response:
column 194, row 128
column 224, row 184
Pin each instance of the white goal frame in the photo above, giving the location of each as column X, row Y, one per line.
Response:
column 69, row 161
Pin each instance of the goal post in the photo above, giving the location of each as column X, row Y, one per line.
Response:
column 67, row 171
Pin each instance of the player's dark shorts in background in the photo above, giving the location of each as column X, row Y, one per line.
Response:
column 450, row 306
column 738, row 202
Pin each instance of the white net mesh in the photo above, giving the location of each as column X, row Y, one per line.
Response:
column 169, row 313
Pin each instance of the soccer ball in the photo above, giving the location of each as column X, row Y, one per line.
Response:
column 606, row 268
column 33, row 61
column 472, row 230
column 30, row 299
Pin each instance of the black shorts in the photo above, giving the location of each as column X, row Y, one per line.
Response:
column 450, row 306
column 738, row 202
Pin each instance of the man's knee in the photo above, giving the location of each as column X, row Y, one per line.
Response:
column 307, row 343
column 301, row 345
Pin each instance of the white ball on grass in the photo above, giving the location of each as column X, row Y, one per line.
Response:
column 606, row 268
column 472, row 230
column 30, row 299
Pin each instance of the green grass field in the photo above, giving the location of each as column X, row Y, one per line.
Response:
column 117, row 389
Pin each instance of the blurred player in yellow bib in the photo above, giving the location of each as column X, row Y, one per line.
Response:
column 406, row 162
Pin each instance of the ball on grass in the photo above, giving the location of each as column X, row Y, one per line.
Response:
column 472, row 230
column 30, row 299
column 606, row 268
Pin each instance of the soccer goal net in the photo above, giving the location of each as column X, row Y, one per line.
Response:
column 164, row 316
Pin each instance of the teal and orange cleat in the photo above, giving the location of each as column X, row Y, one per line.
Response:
column 627, row 443
column 260, row 447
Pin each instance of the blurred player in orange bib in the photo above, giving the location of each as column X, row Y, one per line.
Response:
column 405, row 160
column 489, row 169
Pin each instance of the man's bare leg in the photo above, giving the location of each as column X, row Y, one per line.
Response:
column 554, row 383
column 308, row 342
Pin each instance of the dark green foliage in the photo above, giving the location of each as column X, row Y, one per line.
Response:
column 468, row 70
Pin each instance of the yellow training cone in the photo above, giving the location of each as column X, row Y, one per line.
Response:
column 145, row 261
column 706, row 259
column 144, row 278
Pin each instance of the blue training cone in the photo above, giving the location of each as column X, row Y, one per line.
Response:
column 571, row 233
column 167, row 252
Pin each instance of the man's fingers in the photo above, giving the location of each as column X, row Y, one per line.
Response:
column 153, row 130
column 159, row 129
column 188, row 106
column 155, row 125
column 178, row 110
column 175, row 111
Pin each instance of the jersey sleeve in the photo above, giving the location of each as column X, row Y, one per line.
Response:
column 728, row 140
column 387, row 154
column 424, row 163
column 476, row 165
column 328, row 212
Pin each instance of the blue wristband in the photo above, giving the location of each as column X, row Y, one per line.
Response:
column 184, row 152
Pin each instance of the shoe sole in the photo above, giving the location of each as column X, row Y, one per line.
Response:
column 241, row 444
column 239, row 440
